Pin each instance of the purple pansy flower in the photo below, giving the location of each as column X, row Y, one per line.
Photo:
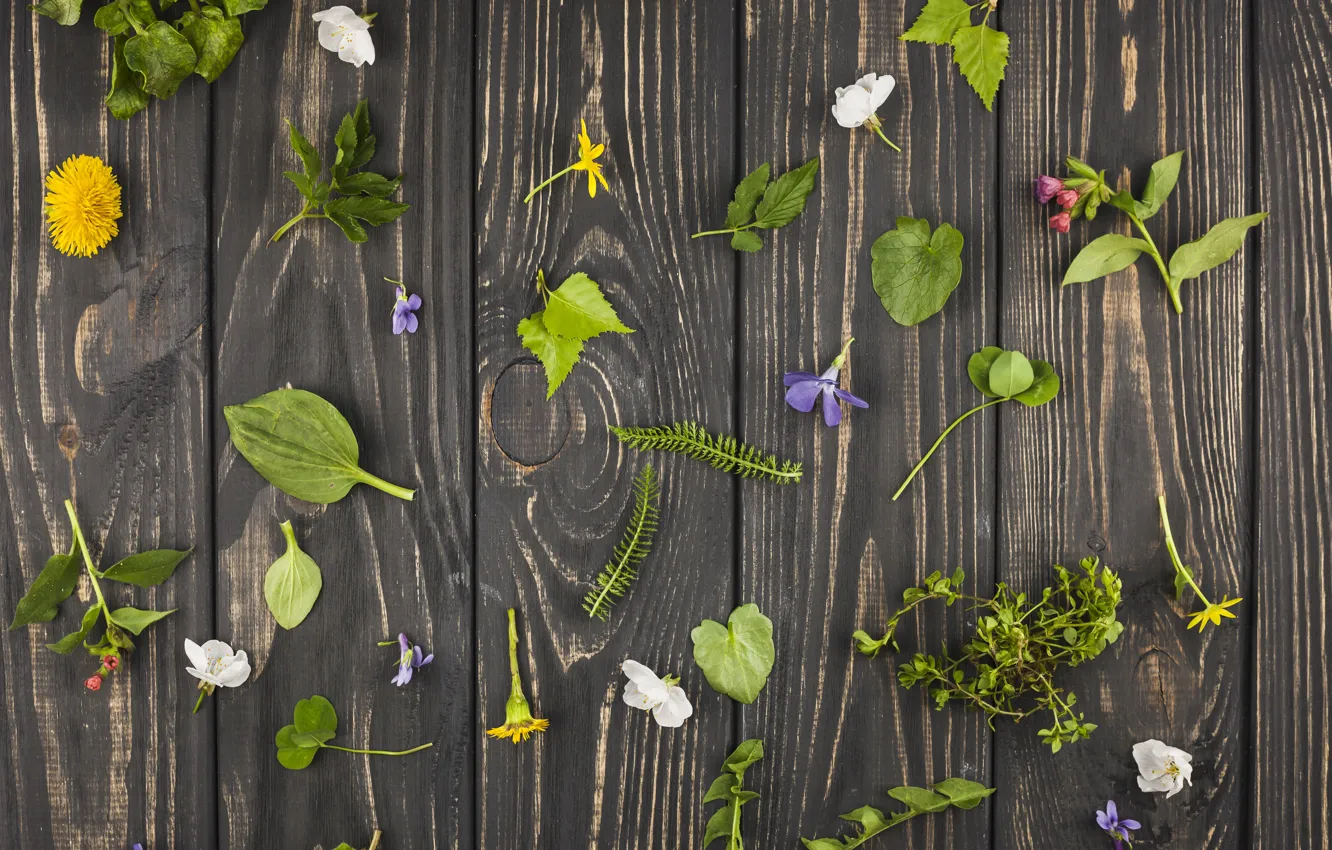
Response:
column 1046, row 187
column 1117, row 829
column 409, row 660
column 404, row 309
column 805, row 388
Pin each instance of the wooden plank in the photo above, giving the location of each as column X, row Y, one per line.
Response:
column 1152, row 402
column 834, row 553
column 1293, row 534
column 314, row 310
column 654, row 81
column 104, row 388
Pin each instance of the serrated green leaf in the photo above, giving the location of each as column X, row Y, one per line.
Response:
column 939, row 21
column 161, row 57
column 349, row 227
column 1010, row 374
column 345, row 142
column 1104, row 255
column 736, row 658
column 785, row 197
column 302, row 183
column 981, row 54
column 70, row 642
column 747, row 241
column 240, row 7
column 215, row 39
column 373, row 211
column 740, row 210
column 369, row 183
column 134, row 620
column 365, row 140
column 64, row 12
column 306, row 151
column 557, row 354
column 147, row 569
column 292, row 583
column 914, row 273
column 1044, row 385
column 578, row 310
column 52, row 586
column 1211, row 250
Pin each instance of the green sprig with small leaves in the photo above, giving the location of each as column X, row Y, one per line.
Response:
column 616, row 577
column 730, row 788
column 1008, row 668
column 949, row 794
column 361, row 196
column 763, row 205
column 724, row 452
column 980, row 51
column 58, row 579
column 1212, row 612
column 314, row 724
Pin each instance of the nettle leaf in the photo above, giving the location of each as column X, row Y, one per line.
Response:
column 981, row 54
column 301, row 445
column 126, row 96
column 134, row 620
column 1211, row 250
column 64, row 12
column 1010, row 374
column 292, row 584
column 938, row 22
column 747, row 241
column 215, row 39
column 915, row 273
column 785, row 197
column 736, row 658
column 578, row 310
column 53, row 585
column 147, row 569
column 557, row 355
column 747, row 194
column 1104, row 255
column 161, row 57
column 70, row 642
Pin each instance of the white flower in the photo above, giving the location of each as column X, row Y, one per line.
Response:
column 216, row 664
column 1163, row 768
column 663, row 697
column 347, row 33
column 857, row 104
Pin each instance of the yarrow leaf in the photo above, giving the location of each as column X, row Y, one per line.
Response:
column 575, row 313
column 915, row 272
column 736, row 658
column 616, row 577
column 724, row 452
column 729, row 787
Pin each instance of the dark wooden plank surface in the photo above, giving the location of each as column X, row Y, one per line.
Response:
column 116, row 370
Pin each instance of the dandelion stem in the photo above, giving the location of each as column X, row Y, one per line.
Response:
column 557, row 175
column 938, row 442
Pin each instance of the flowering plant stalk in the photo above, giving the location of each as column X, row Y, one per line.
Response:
column 1211, row 612
column 518, row 719
column 588, row 154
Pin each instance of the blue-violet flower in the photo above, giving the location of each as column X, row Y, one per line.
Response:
column 1046, row 188
column 805, row 388
column 409, row 661
column 404, row 309
column 1117, row 829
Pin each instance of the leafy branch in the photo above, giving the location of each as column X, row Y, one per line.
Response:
column 730, row 787
column 980, row 51
column 759, row 204
column 724, row 452
column 620, row 573
column 951, row 793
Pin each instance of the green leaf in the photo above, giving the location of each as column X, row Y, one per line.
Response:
column 729, row 787
column 747, row 194
column 622, row 570
column 147, row 569
column 747, row 241
column 1044, row 385
column 963, row 793
column 161, row 57
column 557, row 354
column 53, row 585
column 317, row 717
column 365, row 140
column 126, row 96
column 736, row 658
column 722, row 452
column 978, row 368
column 914, row 272
column 302, row 183
column 293, row 750
column 302, row 445
column 578, row 310
column 70, row 642
column 939, row 21
column 1160, row 183
column 345, row 140
column 981, row 54
column 111, row 20
column 373, row 211
column 1214, row 248
column 135, row 621
column 919, row 799
column 1104, row 255
column 215, row 39
column 354, row 232
column 306, row 151
column 64, row 12
column 1010, row 374
column 240, row 7
column 785, row 197
column 368, row 183
column 292, row 584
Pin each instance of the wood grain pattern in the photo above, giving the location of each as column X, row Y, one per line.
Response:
column 835, row 553
column 105, row 381
column 1151, row 403
column 1292, row 806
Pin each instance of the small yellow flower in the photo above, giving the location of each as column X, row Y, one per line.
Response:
column 1213, row 613
column 82, row 205
column 588, row 154
column 518, row 719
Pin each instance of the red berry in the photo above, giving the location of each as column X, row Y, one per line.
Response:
column 110, row 662
column 94, row 683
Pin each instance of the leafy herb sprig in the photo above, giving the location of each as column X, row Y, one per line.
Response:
column 730, row 788
column 362, row 196
column 314, row 724
column 766, row 206
column 724, row 452
column 616, row 577
column 980, row 51
column 915, row 271
column 951, row 793
column 1001, row 376
column 1211, row 612
column 57, row 580
column 1115, row 252
column 152, row 56
column 574, row 313
column 1018, row 646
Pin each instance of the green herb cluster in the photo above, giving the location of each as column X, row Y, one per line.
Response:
column 980, row 51
column 153, row 56
column 616, row 577
column 314, row 723
column 574, row 313
column 1018, row 647
column 736, row 658
column 949, row 794
column 764, row 205
column 915, row 271
column 724, row 453
column 730, row 788
column 362, row 196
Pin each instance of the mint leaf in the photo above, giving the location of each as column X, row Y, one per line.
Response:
column 1104, row 255
column 914, row 273
column 147, row 569
column 578, row 310
column 557, row 354
column 215, row 39
column 70, row 642
column 134, row 620
column 785, row 197
column 64, row 12
column 1211, row 250
column 53, row 585
column 292, row 584
column 1044, row 385
column 161, row 57
column 736, row 658
column 981, row 54
column 747, row 194
column 1010, row 374
column 747, row 241
column 938, row 22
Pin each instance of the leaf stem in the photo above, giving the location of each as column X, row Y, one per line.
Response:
column 1174, row 553
column 378, row 752
column 388, row 487
column 938, row 442
column 87, row 558
column 723, row 231
column 295, row 220
column 557, row 175
column 1160, row 263
column 374, row 842
column 879, row 130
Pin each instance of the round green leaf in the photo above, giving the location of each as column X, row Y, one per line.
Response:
column 914, row 273
column 1010, row 374
column 736, row 658
column 317, row 716
column 292, row 584
column 978, row 368
column 291, row 754
column 1044, row 385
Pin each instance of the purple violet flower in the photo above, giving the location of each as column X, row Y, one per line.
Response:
column 1117, row 829
column 1046, row 187
column 805, row 388
column 404, row 309
column 409, row 660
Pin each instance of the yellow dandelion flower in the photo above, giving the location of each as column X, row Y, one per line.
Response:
column 588, row 154
column 82, row 205
column 518, row 719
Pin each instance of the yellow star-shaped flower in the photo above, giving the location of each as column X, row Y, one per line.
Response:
column 1213, row 613
column 587, row 161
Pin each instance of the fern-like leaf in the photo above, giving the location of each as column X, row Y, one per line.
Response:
column 622, row 569
column 724, row 452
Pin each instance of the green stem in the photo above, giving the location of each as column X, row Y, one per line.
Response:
column 1160, row 263
column 556, row 176
column 724, row 230
column 938, row 442
column 513, row 650
column 194, row 4
column 1174, row 553
column 87, row 558
column 199, row 701
column 129, row 16
column 380, row 484
column 374, row 842
column 879, row 130
column 378, row 752
column 295, row 220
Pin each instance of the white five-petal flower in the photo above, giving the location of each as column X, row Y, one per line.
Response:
column 216, row 664
column 663, row 697
column 347, row 34
column 1163, row 768
column 856, row 105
